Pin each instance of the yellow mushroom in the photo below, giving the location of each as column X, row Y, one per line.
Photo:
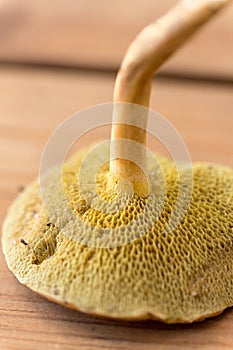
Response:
column 114, row 257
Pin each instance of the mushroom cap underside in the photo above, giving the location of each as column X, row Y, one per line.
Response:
column 177, row 276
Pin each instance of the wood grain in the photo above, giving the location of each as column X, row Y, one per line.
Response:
column 97, row 33
column 33, row 103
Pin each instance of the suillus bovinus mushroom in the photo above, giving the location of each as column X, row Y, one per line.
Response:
column 179, row 276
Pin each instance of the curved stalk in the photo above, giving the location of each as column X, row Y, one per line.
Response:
column 151, row 48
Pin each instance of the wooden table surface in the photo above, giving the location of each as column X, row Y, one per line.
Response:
column 59, row 58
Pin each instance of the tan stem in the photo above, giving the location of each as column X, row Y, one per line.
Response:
column 151, row 48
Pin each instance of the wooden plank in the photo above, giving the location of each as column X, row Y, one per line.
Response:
column 33, row 103
column 88, row 33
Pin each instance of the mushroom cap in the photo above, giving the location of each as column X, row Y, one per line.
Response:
column 180, row 276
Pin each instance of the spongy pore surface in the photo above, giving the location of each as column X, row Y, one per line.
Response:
column 109, row 254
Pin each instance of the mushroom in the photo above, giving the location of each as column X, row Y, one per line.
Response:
column 111, row 254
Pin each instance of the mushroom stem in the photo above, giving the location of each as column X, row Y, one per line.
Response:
column 151, row 48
